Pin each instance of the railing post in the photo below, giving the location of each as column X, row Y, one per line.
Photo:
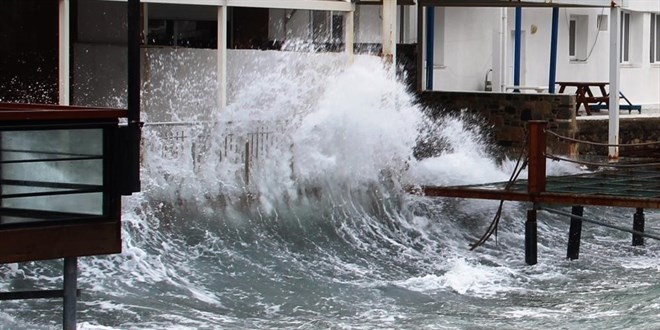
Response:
column 536, row 154
column 575, row 233
column 638, row 225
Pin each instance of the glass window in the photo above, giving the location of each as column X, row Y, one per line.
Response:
column 572, row 36
column 51, row 175
column 655, row 38
column 625, row 38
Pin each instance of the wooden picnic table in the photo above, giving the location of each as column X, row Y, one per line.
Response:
column 584, row 95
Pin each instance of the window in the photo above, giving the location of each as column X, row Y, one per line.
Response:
column 572, row 35
column 655, row 38
column 578, row 33
column 625, row 38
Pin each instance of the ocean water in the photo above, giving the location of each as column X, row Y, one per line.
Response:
column 322, row 235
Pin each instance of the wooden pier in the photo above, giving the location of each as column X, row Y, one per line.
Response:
column 633, row 184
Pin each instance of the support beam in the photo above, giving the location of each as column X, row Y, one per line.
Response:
column 615, row 51
column 531, row 238
column 638, row 226
column 430, row 44
column 133, row 132
column 64, row 68
column 575, row 233
column 349, row 35
column 553, row 51
column 388, row 33
column 536, row 154
column 517, row 48
column 221, row 67
column 420, row 47
column 70, row 288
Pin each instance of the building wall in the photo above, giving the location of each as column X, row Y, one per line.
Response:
column 631, row 131
column 507, row 114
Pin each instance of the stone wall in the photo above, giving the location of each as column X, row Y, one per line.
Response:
column 507, row 114
column 631, row 131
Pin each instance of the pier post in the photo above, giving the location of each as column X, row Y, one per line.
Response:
column 531, row 238
column 536, row 155
column 575, row 233
column 638, row 225
column 70, row 288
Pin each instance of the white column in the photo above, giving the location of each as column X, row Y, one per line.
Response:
column 222, row 58
column 349, row 33
column 388, row 31
column 64, row 45
column 615, row 50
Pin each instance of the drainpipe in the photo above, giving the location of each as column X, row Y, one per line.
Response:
column 430, row 37
column 517, row 48
column 134, row 130
column 553, row 50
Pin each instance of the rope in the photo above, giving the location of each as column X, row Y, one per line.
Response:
column 557, row 158
column 600, row 223
column 562, row 137
column 492, row 228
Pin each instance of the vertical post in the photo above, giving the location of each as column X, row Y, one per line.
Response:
column 638, row 225
column 430, row 44
column 536, row 154
column 553, row 50
column 70, row 288
column 575, row 233
column 388, row 32
column 133, row 90
column 615, row 49
column 420, row 46
column 349, row 33
column 221, row 68
column 247, row 162
column 517, row 48
column 531, row 238
column 64, row 67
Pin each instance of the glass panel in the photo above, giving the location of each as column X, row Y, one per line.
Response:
column 58, row 171
column 571, row 37
column 653, row 41
column 657, row 37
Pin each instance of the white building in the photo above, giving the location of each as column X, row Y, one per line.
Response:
column 473, row 46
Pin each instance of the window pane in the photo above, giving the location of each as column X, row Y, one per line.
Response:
column 51, row 171
column 571, row 37
column 653, row 41
column 657, row 37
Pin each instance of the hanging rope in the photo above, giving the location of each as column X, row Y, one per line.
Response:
column 492, row 228
column 599, row 223
column 566, row 138
column 580, row 162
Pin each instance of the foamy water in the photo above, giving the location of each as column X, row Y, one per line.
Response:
column 321, row 234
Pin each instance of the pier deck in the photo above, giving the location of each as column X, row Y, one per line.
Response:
column 631, row 183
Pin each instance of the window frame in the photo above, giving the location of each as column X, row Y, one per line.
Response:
column 654, row 56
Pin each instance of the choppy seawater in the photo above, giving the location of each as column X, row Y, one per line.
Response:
column 324, row 236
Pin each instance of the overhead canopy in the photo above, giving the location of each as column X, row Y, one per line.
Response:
column 517, row 3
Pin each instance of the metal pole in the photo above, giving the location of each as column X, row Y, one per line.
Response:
column 70, row 287
column 134, row 134
column 221, row 69
column 430, row 36
column 638, row 226
column 575, row 233
column 613, row 136
column 420, row 46
column 553, row 50
column 517, row 50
